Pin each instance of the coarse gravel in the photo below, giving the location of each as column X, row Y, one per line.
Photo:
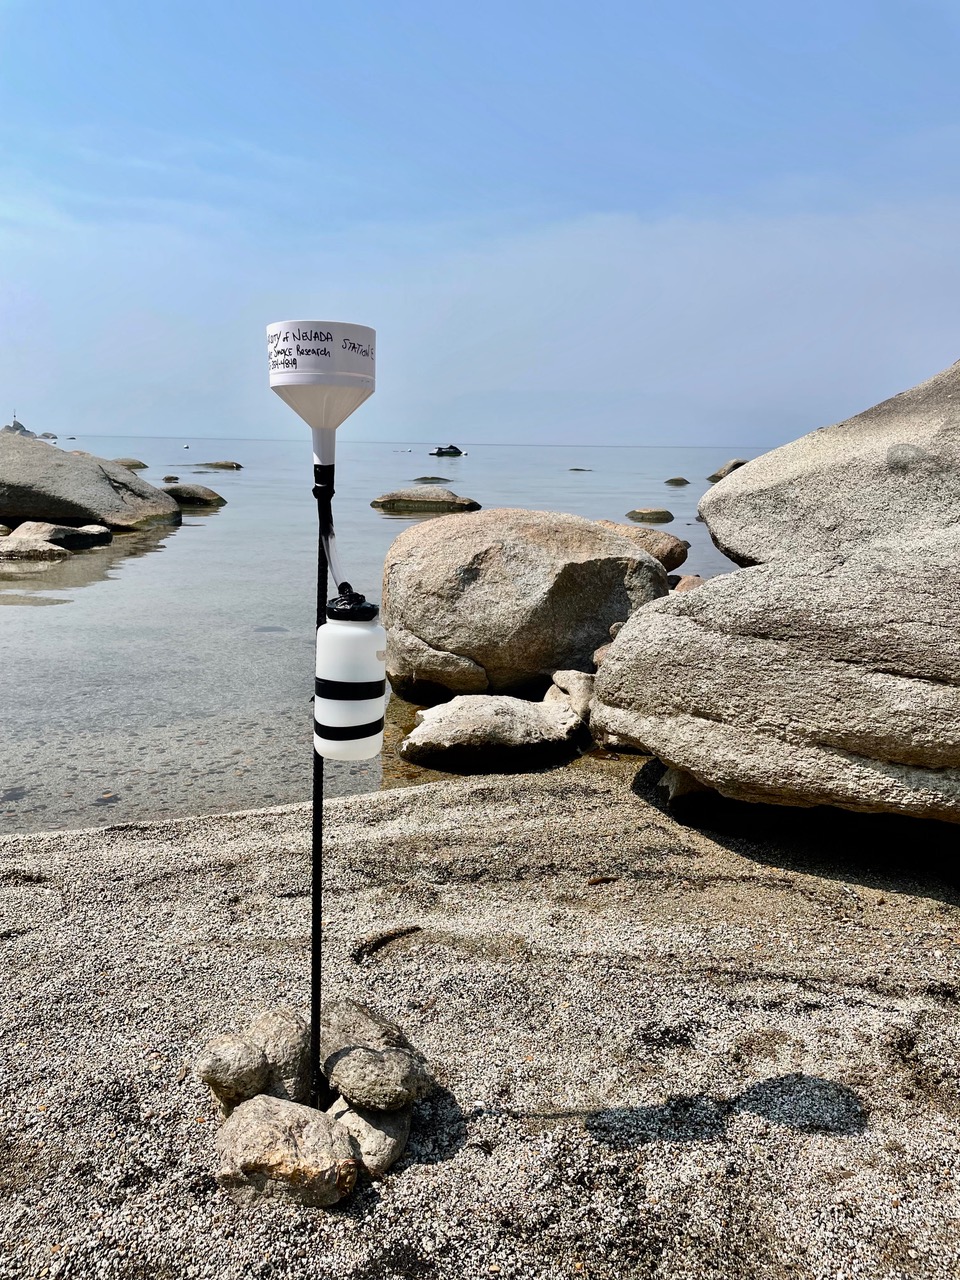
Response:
column 663, row 1052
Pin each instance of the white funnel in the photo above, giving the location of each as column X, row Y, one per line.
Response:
column 321, row 368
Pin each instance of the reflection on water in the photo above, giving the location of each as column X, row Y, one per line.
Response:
column 181, row 683
column 79, row 569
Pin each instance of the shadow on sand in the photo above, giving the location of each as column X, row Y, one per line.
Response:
column 885, row 851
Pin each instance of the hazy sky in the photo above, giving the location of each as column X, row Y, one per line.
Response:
column 629, row 222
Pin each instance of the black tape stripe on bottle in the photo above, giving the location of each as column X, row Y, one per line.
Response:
column 347, row 733
column 350, row 690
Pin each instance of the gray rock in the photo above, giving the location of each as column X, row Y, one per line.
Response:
column 689, row 582
column 17, row 428
column 61, row 535
column 892, row 469
column 576, row 687
column 431, row 480
column 170, row 479
column 222, row 466
column 14, row 548
column 195, row 495
column 234, row 1069
column 491, row 733
column 651, row 515
column 424, row 497
column 41, row 483
column 368, row 1059
column 47, row 435
column 670, row 551
column 722, row 472
column 830, row 680
column 4, row 530
column 283, row 1036
column 271, row 1147
column 498, row 600
column 677, row 481
column 380, row 1136
column 599, row 656
column 132, row 464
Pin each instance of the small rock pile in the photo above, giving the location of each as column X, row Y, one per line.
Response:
column 272, row 1143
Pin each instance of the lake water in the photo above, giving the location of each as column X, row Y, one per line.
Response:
column 171, row 673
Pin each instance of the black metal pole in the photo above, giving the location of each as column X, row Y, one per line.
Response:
column 323, row 492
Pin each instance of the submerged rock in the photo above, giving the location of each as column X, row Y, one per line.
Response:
column 424, row 498
column 651, row 515
column 132, row 464
column 221, row 466
column 14, row 548
column 195, row 495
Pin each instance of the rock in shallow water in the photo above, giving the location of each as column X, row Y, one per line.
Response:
column 424, row 497
column 831, row 681
column 651, row 515
column 721, row 473
column 670, row 551
column 72, row 539
column 271, row 1147
column 40, row 482
column 497, row 600
column 368, row 1059
column 195, row 495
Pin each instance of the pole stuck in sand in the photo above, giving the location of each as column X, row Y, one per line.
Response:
column 324, row 371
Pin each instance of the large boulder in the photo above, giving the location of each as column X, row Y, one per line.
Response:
column 894, row 468
column 497, row 600
column 829, row 680
column 40, row 482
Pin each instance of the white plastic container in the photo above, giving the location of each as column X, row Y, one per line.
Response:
column 350, row 697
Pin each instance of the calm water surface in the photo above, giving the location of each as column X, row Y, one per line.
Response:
column 171, row 672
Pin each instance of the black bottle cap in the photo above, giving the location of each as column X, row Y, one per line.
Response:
column 351, row 606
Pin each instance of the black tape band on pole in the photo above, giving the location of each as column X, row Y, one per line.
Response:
column 350, row 690
column 347, row 733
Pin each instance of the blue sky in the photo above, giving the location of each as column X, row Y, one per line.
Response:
column 629, row 223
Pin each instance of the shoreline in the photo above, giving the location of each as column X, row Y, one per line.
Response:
column 660, row 1050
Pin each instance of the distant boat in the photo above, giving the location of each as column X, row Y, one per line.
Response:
column 446, row 451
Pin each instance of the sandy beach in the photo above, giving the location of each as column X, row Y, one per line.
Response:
column 662, row 1052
